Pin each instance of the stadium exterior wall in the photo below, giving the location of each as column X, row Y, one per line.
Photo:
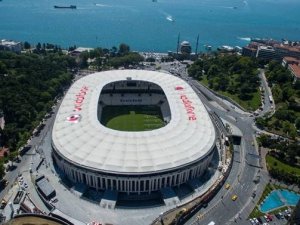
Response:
column 132, row 183
column 132, row 162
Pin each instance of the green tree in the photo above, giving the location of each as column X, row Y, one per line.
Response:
column 260, row 122
column 297, row 123
column 124, row 49
column 2, row 170
column 3, row 69
column 286, row 126
column 27, row 45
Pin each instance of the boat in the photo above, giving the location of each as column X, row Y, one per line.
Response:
column 65, row 7
column 208, row 47
column 170, row 18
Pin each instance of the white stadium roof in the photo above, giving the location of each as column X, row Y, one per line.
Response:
column 86, row 142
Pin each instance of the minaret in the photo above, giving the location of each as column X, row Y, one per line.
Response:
column 178, row 42
column 196, row 52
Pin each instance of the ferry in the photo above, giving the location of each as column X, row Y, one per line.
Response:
column 65, row 7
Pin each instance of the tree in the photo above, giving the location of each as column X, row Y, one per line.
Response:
column 124, row 49
column 213, row 70
column 297, row 123
column 27, row 93
column 113, row 51
column 38, row 46
column 2, row 170
column 3, row 69
column 27, row 45
column 261, row 122
column 286, row 127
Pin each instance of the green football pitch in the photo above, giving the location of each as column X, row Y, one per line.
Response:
column 132, row 118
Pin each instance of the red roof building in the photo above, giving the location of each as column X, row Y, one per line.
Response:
column 295, row 70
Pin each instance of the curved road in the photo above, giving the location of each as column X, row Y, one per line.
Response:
column 245, row 169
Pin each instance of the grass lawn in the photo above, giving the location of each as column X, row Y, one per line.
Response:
column 251, row 104
column 132, row 118
column 275, row 163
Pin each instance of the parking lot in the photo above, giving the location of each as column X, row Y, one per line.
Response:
column 279, row 218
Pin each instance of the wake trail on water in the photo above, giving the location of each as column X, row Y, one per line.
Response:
column 168, row 16
column 228, row 7
column 102, row 5
column 245, row 38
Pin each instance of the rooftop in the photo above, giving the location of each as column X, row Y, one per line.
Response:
column 292, row 60
column 88, row 143
column 295, row 69
column 8, row 42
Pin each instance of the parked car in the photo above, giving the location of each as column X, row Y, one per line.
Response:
column 259, row 220
column 252, row 222
column 270, row 217
column 277, row 216
column 266, row 218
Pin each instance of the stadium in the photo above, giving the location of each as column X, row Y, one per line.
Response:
column 133, row 132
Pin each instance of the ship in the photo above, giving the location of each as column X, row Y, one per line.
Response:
column 65, row 7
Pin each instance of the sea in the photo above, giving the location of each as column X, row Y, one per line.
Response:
column 149, row 25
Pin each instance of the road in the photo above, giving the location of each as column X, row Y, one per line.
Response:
column 246, row 163
column 267, row 106
column 29, row 161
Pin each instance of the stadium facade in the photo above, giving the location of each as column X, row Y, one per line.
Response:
column 132, row 162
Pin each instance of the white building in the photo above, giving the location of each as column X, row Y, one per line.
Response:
column 11, row 45
column 132, row 162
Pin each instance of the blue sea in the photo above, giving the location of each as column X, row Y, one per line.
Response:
column 149, row 26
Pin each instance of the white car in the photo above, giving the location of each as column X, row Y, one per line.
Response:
column 281, row 215
column 252, row 222
column 256, row 221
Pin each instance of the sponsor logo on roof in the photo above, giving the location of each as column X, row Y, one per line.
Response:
column 80, row 98
column 178, row 88
column 188, row 104
column 75, row 118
